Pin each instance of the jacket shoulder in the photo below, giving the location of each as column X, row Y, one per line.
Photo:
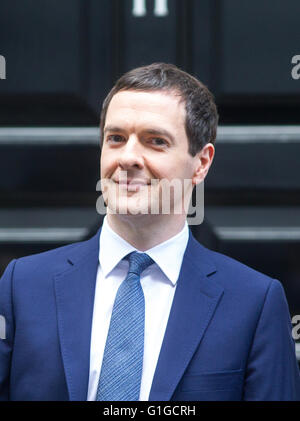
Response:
column 233, row 274
column 55, row 260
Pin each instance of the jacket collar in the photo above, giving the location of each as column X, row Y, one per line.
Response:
column 75, row 289
column 194, row 303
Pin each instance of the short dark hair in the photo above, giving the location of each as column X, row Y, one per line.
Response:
column 201, row 111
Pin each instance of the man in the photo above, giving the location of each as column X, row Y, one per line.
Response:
column 142, row 311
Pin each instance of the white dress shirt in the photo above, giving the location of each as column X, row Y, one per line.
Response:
column 158, row 282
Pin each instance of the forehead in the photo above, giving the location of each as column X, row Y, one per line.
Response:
column 142, row 106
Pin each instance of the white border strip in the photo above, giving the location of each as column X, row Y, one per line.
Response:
column 91, row 135
column 50, row 136
column 258, row 134
column 41, row 235
column 258, row 233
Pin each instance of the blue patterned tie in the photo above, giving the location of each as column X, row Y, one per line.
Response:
column 121, row 371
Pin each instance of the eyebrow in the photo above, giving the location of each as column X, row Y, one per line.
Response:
column 153, row 131
column 160, row 132
column 112, row 129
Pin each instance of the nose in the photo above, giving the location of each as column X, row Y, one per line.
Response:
column 131, row 154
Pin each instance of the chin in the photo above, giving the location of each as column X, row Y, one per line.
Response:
column 127, row 206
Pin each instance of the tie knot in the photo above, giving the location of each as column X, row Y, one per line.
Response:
column 138, row 262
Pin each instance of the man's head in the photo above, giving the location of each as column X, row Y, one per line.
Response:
column 201, row 113
column 158, row 124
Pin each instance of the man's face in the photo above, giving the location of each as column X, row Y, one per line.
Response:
column 144, row 140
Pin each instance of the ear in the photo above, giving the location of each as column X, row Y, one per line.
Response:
column 203, row 161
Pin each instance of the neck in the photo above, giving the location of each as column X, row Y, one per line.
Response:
column 146, row 231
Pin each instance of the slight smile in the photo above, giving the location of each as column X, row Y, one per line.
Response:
column 131, row 185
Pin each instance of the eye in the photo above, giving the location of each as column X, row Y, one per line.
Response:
column 158, row 141
column 114, row 138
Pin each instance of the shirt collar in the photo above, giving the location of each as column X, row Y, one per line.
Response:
column 167, row 255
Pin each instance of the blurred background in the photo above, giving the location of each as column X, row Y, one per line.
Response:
column 61, row 59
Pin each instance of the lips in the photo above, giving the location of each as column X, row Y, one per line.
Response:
column 132, row 182
column 132, row 185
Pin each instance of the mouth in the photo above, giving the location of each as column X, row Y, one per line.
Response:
column 132, row 185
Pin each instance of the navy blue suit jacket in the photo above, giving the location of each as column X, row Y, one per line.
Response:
column 228, row 336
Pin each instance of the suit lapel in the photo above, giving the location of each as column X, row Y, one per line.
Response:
column 195, row 301
column 74, row 289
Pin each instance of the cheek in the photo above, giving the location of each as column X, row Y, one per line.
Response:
column 172, row 170
column 107, row 163
column 161, row 167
